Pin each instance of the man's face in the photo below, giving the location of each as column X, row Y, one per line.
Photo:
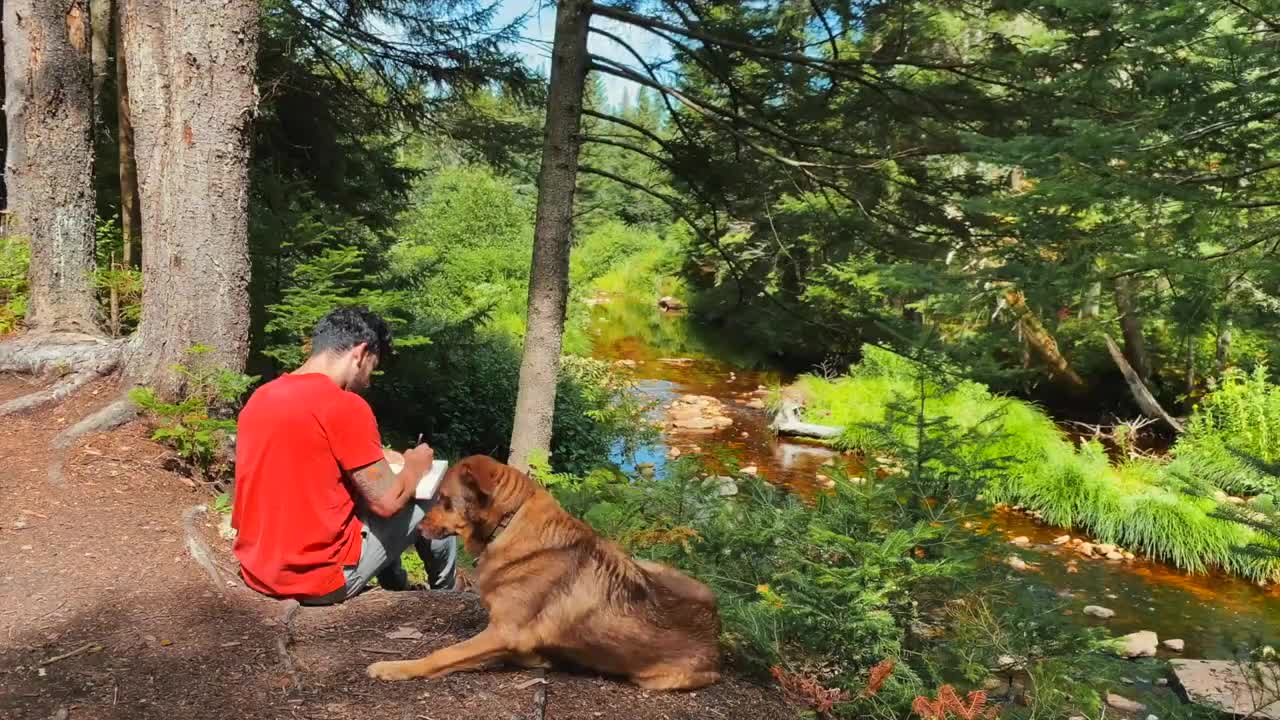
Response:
column 362, row 374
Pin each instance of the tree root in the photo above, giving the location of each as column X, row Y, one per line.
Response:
column 288, row 609
column 199, row 550
column 58, row 392
column 109, row 417
column 77, row 359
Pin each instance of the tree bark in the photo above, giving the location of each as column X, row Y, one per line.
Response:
column 1135, row 345
column 100, row 23
column 1042, row 342
column 192, row 125
column 549, row 274
column 130, row 219
column 49, row 160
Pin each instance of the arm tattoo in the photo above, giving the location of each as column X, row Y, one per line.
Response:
column 374, row 481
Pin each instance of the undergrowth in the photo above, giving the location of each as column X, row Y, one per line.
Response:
column 1139, row 503
column 196, row 426
column 852, row 600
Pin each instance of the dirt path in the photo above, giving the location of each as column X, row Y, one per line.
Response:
column 104, row 613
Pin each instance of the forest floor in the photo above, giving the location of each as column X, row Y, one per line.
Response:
column 105, row 613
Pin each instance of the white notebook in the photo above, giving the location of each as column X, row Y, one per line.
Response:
column 430, row 481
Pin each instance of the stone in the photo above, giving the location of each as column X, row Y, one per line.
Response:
column 996, row 686
column 722, row 421
column 1085, row 549
column 1136, row 645
column 1128, row 555
column 1009, row 663
column 1021, row 541
column 1113, row 555
column 1099, row 612
column 755, row 404
column 725, row 486
column 697, row 423
column 1105, row 548
column 1062, row 540
column 674, row 453
column 1235, row 500
column 750, row 470
column 1124, row 704
column 1017, row 563
column 667, row 302
column 1228, row 686
column 1175, row 645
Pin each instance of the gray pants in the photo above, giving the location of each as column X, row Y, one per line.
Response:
column 383, row 540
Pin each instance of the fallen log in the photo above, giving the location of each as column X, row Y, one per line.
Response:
column 1141, row 395
column 787, row 422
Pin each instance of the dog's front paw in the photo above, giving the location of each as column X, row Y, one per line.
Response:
column 392, row 670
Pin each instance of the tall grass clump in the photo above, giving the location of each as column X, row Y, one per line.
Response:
column 1238, row 419
column 1138, row 503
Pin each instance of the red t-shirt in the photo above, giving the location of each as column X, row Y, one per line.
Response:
column 294, row 510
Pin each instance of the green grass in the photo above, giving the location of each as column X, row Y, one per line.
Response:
column 1140, row 505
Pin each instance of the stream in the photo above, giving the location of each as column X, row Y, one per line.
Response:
column 1217, row 616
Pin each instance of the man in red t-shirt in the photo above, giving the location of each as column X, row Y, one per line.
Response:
column 318, row 512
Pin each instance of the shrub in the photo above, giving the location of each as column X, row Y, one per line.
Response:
column 196, row 426
column 15, row 256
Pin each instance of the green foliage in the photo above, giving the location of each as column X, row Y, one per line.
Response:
column 464, row 248
column 196, row 426
column 1239, row 418
column 1137, row 504
column 15, row 256
column 112, row 275
column 824, row 590
column 222, row 504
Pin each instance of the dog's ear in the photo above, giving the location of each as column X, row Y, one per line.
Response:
column 481, row 477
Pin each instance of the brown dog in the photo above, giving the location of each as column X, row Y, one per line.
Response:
column 556, row 590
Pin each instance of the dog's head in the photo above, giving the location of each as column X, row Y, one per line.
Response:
column 474, row 497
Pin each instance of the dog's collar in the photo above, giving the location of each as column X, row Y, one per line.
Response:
column 502, row 525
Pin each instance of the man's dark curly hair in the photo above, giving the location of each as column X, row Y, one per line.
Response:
column 347, row 327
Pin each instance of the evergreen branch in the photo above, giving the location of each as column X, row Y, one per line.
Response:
column 642, row 21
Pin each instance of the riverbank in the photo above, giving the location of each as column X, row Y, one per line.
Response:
column 1217, row 616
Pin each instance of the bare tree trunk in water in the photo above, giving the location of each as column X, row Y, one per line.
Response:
column 49, row 160
column 549, row 274
column 100, row 22
column 1043, row 343
column 1135, row 345
column 194, row 112
column 130, row 219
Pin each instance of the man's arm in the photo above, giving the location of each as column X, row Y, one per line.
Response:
column 384, row 490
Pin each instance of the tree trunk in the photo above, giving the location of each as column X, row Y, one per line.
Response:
column 100, row 22
column 1092, row 301
column 1042, row 342
column 1135, row 345
column 1222, row 353
column 49, row 161
column 1141, row 395
column 549, row 274
column 195, row 108
column 130, row 219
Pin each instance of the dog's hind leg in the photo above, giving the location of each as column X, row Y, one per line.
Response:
column 675, row 678
column 529, row 660
column 487, row 647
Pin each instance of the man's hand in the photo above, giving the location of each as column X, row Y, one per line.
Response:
column 419, row 458
column 386, row 492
